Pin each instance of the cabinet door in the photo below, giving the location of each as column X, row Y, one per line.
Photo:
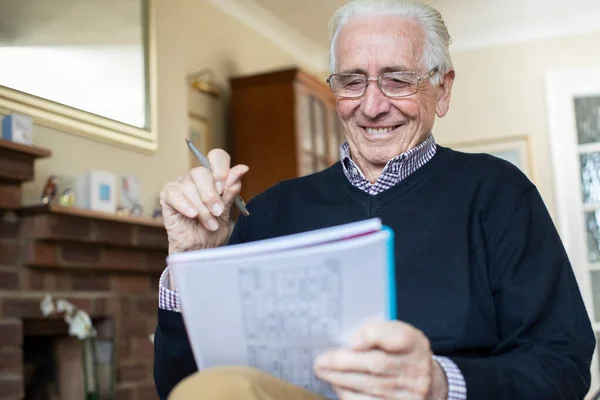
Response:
column 319, row 133
column 313, row 132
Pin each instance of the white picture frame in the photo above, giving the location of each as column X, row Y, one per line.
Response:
column 97, row 191
column 515, row 149
column 130, row 193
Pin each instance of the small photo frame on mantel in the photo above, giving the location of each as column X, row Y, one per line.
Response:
column 515, row 149
column 199, row 135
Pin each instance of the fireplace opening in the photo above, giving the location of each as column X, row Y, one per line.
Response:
column 39, row 368
column 53, row 362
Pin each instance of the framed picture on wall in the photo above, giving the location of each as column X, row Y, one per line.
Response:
column 515, row 149
column 199, row 135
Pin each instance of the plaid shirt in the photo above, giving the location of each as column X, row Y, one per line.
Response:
column 396, row 170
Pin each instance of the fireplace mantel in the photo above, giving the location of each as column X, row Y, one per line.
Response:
column 89, row 214
column 16, row 166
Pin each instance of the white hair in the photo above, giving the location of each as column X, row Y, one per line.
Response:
column 436, row 51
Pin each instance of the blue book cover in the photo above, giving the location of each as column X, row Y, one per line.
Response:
column 392, row 311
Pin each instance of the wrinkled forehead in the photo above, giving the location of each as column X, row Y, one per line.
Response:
column 376, row 44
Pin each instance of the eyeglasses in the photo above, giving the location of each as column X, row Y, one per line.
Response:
column 392, row 84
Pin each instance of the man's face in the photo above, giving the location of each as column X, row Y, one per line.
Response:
column 377, row 127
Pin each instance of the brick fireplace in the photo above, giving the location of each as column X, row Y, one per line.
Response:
column 106, row 264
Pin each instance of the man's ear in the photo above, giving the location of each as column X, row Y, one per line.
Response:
column 443, row 101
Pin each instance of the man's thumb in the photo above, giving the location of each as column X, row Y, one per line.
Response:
column 233, row 184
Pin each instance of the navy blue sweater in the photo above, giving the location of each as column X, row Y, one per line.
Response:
column 480, row 270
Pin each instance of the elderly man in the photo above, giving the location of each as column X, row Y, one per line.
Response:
column 488, row 306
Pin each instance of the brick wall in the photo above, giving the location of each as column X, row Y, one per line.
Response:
column 107, row 265
column 108, row 268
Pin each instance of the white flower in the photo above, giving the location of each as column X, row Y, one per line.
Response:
column 47, row 305
column 76, row 328
column 81, row 325
column 64, row 306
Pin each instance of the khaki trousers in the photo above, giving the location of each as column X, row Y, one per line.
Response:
column 237, row 383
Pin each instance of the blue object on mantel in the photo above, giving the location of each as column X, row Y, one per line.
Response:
column 17, row 128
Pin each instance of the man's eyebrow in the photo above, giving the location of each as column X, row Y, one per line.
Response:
column 391, row 68
column 395, row 68
column 354, row 71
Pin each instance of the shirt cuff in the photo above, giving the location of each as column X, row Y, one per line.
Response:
column 167, row 299
column 457, row 388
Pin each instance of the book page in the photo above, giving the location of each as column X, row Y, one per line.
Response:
column 279, row 311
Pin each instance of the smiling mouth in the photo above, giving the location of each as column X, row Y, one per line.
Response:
column 380, row 130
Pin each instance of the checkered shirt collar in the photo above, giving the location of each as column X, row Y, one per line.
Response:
column 396, row 169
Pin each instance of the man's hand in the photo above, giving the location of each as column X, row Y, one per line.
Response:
column 386, row 360
column 196, row 206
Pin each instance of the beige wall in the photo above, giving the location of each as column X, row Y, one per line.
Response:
column 500, row 92
column 191, row 35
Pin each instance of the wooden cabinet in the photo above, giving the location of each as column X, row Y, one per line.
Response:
column 284, row 125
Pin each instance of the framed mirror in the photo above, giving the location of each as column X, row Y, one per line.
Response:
column 83, row 67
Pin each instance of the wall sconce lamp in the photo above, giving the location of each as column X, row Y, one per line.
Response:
column 203, row 81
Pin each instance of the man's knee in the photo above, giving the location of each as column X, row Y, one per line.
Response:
column 218, row 382
column 236, row 382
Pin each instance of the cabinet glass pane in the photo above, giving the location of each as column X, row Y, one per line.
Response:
column 596, row 294
column 334, row 138
column 590, row 177
column 592, row 223
column 320, row 127
column 308, row 164
column 340, row 132
column 322, row 164
column 305, row 123
column 587, row 116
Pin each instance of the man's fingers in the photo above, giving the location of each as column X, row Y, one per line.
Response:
column 344, row 394
column 189, row 190
column 372, row 387
column 391, row 336
column 220, row 163
column 205, row 185
column 233, row 185
column 374, row 362
column 235, row 174
column 186, row 186
column 173, row 198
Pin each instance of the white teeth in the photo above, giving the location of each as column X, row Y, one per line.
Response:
column 379, row 131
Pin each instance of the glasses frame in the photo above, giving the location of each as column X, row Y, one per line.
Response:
column 377, row 79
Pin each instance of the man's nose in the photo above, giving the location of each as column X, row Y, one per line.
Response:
column 374, row 101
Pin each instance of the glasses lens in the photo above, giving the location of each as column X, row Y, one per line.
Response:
column 399, row 84
column 348, row 85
